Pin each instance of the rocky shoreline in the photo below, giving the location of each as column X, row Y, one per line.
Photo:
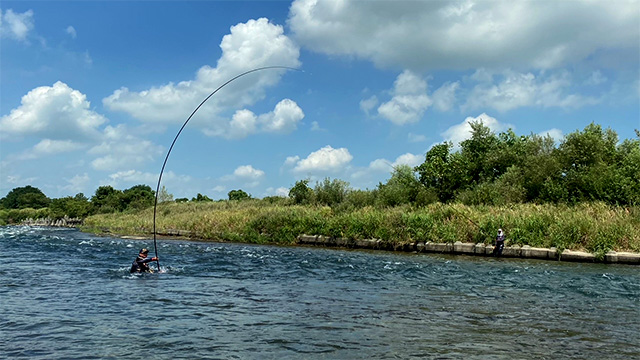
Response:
column 63, row 222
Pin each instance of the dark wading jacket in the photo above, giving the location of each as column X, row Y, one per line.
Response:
column 140, row 264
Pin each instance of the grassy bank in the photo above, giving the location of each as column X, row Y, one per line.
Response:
column 595, row 227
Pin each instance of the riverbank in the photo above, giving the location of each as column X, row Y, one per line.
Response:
column 598, row 230
column 480, row 249
column 456, row 248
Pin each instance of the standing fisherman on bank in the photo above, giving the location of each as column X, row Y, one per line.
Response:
column 140, row 263
column 497, row 250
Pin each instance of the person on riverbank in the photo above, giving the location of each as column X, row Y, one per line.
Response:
column 141, row 263
column 499, row 246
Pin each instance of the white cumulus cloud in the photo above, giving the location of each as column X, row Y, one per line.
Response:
column 50, row 147
column 384, row 165
column 256, row 43
column 422, row 35
column 245, row 175
column 326, row 159
column 283, row 119
column 409, row 101
column 56, row 112
column 248, row 172
column 120, row 149
column 445, row 97
column 243, row 123
column 77, row 184
column 461, row 132
column 555, row 134
column 509, row 90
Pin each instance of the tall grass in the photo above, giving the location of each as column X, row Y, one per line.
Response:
column 594, row 227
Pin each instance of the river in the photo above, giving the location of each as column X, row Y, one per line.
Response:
column 65, row 294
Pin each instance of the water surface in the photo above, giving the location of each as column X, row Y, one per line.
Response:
column 65, row 294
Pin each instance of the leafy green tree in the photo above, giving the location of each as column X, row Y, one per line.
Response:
column 331, row 192
column 628, row 170
column 201, row 197
column 25, row 197
column 510, row 150
column 402, row 188
column 238, row 195
column 275, row 200
column 443, row 173
column 358, row 199
column 107, row 200
column 75, row 207
column 301, row 193
column 476, row 150
column 587, row 159
column 507, row 189
column 592, row 146
column 541, row 169
column 138, row 197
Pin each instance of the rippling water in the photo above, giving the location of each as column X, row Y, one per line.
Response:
column 68, row 295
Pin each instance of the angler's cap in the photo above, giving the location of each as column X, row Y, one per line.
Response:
column 144, row 251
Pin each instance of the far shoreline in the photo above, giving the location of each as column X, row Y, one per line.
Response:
column 428, row 247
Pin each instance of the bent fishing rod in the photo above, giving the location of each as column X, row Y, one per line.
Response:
column 155, row 203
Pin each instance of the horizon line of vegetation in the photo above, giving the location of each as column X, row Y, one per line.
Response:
column 488, row 171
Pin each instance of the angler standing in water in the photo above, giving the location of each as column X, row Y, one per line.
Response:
column 497, row 250
column 140, row 264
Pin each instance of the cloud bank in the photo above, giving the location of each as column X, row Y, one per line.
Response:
column 428, row 35
column 256, row 43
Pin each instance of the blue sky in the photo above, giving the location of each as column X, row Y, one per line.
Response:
column 93, row 92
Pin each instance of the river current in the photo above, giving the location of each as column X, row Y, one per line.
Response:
column 65, row 294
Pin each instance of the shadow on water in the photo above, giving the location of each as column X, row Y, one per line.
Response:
column 66, row 294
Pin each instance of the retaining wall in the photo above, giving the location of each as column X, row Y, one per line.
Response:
column 480, row 249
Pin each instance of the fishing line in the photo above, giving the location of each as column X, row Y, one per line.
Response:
column 155, row 204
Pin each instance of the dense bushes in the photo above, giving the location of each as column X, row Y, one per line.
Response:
column 588, row 165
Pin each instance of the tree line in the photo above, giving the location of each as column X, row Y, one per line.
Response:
column 30, row 202
column 499, row 169
column 487, row 169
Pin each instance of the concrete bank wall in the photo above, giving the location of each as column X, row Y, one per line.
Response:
column 471, row 249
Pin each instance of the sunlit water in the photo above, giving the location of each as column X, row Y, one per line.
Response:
column 68, row 295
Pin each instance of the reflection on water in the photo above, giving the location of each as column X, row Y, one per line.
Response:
column 66, row 295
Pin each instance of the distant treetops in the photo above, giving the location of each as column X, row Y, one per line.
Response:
column 488, row 169
column 588, row 165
